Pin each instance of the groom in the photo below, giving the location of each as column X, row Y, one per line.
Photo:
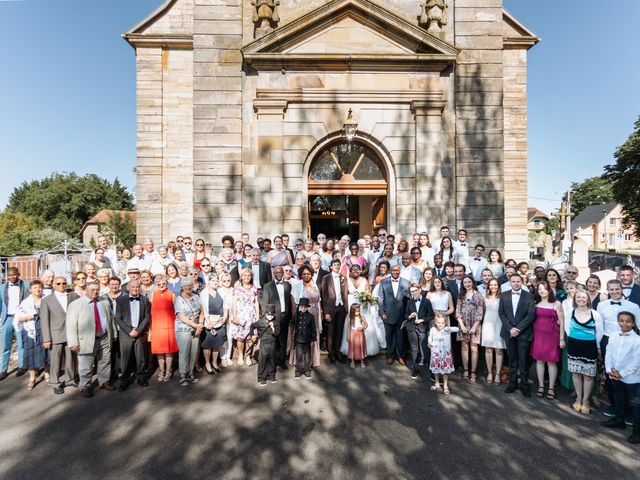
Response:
column 394, row 293
column 334, row 295
column 517, row 311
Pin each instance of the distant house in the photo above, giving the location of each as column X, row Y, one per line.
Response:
column 536, row 220
column 601, row 227
column 90, row 228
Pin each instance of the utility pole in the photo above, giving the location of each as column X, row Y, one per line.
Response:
column 565, row 224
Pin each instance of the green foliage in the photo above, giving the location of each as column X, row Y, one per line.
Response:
column 120, row 228
column 552, row 224
column 65, row 201
column 19, row 233
column 625, row 177
column 592, row 191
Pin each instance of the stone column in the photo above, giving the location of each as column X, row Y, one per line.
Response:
column 435, row 199
column 263, row 172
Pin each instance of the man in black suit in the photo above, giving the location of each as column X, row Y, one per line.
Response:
column 318, row 272
column 630, row 289
column 394, row 293
column 278, row 293
column 438, row 265
column 517, row 311
column 133, row 313
column 418, row 316
column 334, row 294
column 261, row 270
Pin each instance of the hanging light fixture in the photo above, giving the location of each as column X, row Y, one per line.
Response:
column 350, row 127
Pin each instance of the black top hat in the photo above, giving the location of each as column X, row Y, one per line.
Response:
column 304, row 302
column 270, row 309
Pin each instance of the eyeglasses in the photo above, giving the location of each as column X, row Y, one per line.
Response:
column 61, row 283
column 199, row 244
column 187, row 243
column 572, row 272
column 205, row 264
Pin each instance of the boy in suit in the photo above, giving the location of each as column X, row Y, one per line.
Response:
column 266, row 330
column 418, row 316
column 304, row 332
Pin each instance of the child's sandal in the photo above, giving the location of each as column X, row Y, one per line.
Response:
column 551, row 394
column 465, row 375
column 446, row 391
column 540, row 392
column 474, row 377
column 435, row 388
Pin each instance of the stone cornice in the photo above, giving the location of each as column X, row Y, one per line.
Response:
column 270, row 107
column 321, row 95
column 519, row 42
column 165, row 41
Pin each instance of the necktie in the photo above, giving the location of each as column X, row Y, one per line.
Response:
column 616, row 303
column 134, row 299
column 96, row 316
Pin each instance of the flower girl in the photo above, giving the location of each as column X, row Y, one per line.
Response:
column 441, row 357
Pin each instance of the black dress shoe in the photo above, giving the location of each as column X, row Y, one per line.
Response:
column 123, row 386
column 341, row 359
column 143, row 382
column 525, row 391
column 510, row 388
column 20, row 372
column 332, row 360
column 613, row 422
column 58, row 390
column 86, row 392
column 284, row 366
column 3, row 375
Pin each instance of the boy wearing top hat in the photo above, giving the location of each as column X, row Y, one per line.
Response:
column 266, row 330
column 304, row 332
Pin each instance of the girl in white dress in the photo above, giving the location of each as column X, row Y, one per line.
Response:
column 357, row 284
column 491, row 326
column 441, row 357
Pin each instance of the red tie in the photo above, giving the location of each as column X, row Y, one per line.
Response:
column 96, row 315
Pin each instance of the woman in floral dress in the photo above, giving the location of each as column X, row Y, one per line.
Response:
column 244, row 311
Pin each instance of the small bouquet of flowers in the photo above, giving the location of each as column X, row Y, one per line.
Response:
column 367, row 299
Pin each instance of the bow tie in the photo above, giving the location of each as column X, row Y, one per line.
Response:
column 463, row 244
column 624, row 334
column 376, row 251
column 47, row 287
column 13, row 284
column 278, row 283
column 516, row 293
column 395, row 281
column 134, row 299
column 616, row 303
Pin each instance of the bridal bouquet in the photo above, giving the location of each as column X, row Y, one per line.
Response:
column 367, row 299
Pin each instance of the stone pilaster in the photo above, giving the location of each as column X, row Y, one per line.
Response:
column 434, row 181
column 217, row 103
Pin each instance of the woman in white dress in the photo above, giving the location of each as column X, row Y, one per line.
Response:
column 357, row 284
column 441, row 299
column 491, row 326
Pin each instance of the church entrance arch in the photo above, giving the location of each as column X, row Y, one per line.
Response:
column 347, row 190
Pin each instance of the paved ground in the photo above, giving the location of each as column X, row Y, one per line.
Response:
column 373, row 423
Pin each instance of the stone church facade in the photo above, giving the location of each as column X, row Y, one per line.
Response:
column 341, row 116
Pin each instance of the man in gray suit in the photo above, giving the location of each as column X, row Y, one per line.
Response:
column 89, row 333
column 53, row 318
column 394, row 293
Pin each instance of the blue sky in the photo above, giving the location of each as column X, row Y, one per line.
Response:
column 67, row 89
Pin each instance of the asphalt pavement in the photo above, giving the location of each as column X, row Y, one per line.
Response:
column 343, row 423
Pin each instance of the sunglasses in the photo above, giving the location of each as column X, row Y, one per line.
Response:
column 205, row 264
column 199, row 244
column 61, row 283
column 573, row 273
column 187, row 243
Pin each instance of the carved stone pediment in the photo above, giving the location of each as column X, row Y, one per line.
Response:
column 353, row 35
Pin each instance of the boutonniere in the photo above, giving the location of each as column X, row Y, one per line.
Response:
column 341, row 280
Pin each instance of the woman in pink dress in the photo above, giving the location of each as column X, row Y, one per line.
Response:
column 548, row 328
column 354, row 259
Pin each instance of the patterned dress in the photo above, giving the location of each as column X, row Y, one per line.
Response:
column 314, row 308
column 441, row 358
column 471, row 310
column 245, row 299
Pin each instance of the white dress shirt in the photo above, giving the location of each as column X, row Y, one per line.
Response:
column 336, row 286
column 101, row 313
column 256, row 275
column 135, row 312
column 13, row 298
column 394, row 286
column 623, row 354
column 63, row 300
column 515, row 300
column 476, row 265
column 608, row 310
column 280, row 289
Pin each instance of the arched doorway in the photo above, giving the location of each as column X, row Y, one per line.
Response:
column 347, row 188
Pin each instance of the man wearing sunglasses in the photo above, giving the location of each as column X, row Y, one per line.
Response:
column 53, row 318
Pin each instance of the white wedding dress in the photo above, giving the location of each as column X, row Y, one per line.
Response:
column 371, row 333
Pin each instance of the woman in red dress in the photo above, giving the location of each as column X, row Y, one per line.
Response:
column 163, row 337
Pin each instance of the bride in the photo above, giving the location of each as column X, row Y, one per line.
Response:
column 356, row 284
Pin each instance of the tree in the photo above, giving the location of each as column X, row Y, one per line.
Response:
column 625, row 177
column 120, row 228
column 591, row 191
column 19, row 233
column 65, row 201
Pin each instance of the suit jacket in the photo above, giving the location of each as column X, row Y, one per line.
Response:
column 393, row 306
column 452, row 286
column 264, row 273
column 425, row 313
column 634, row 296
column 523, row 319
column 53, row 319
column 123, row 314
column 81, row 325
column 328, row 294
column 4, row 294
column 270, row 296
column 321, row 274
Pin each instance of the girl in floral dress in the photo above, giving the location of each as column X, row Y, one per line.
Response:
column 441, row 357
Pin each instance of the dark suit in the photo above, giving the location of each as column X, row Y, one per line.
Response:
column 335, row 327
column 394, row 307
column 53, row 320
column 321, row 274
column 418, row 333
column 270, row 297
column 634, row 296
column 517, row 347
column 128, row 344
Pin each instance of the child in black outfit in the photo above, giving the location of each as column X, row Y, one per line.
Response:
column 304, row 332
column 266, row 330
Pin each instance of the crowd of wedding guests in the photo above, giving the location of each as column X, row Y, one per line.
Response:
column 431, row 306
